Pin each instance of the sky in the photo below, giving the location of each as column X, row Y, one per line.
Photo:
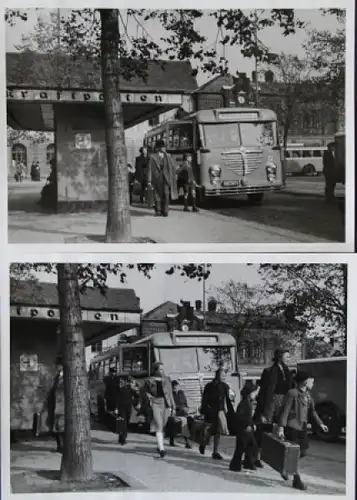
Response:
column 271, row 37
column 161, row 287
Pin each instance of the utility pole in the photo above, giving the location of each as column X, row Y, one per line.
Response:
column 204, row 298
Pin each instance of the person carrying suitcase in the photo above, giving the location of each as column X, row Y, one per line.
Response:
column 181, row 415
column 245, row 440
column 297, row 406
column 126, row 396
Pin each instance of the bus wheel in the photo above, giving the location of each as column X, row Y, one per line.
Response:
column 256, row 198
column 309, row 170
column 330, row 417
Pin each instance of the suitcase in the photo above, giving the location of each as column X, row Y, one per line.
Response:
column 173, row 427
column 282, row 456
column 115, row 423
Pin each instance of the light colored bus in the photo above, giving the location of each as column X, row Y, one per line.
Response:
column 235, row 150
column 304, row 160
column 190, row 357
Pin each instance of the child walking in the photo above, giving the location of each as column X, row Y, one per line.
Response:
column 297, row 406
column 245, row 440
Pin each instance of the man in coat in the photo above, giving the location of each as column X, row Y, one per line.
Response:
column 162, row 178
column 329, row 171
column 125, row 400
column 111, row 389
column 55, row 406
column 141, row 171
column 216, row 404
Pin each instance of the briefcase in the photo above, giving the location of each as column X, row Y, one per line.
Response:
column 115, row 422
column 281, row 455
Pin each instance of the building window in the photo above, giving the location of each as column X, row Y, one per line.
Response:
column 50, row 153
column 19, row 154
column 97, row 347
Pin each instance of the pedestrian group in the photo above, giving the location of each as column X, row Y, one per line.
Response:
column 279, row 403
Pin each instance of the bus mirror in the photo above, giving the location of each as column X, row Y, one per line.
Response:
column 235, row 374
column 204, row 150
column 198, row 157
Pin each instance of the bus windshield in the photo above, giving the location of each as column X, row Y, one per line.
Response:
column 210, row 358
column 237, row 134
column 193, row 360
column 179, row 360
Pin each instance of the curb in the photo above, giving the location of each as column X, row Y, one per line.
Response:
column 310, row 194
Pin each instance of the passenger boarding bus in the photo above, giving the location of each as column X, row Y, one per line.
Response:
column 189, row 357
column 304, row 160
column 235, row 150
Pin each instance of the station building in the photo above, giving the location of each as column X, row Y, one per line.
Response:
column 34, row 338
column 71, row 106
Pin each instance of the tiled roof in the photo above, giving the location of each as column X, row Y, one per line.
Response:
column 160, row 312
column 37, row 294
column 31, row 69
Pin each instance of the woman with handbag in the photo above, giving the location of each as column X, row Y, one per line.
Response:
column 297, row 406
column 158, row 390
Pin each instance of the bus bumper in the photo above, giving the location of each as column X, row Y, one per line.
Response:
column 239, row 190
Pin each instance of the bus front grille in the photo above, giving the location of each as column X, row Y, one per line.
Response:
column 192, row 389
column 242, row 164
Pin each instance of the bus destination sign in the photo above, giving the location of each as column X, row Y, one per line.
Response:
column 234, row 116
column 193, row 340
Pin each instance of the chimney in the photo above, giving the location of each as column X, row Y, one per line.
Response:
column 212, row 305
column 198, row 305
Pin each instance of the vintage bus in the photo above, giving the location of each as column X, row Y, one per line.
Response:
column 304, row 160
column 189, row 357
column 329, row 393
column 236, row 151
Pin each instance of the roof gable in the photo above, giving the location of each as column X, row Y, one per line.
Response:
column 160, row 312
column 36, row 294
column 32, row 69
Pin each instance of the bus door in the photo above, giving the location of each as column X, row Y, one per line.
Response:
column 96, row 385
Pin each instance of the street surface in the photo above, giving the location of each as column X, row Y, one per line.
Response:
column 299, row 215
column 138, row 464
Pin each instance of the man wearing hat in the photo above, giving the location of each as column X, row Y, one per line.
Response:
column 297, row 406
column 162, row 178
column 245, row 440
column 126, row 398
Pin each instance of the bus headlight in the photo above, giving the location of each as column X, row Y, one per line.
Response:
column 214, row 173
column 271, row 169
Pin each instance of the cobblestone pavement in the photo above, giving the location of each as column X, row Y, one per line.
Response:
column 181, row 470
column 283, row 218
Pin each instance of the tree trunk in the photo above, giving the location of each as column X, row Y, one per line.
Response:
column 118, row 217
column 77, row 457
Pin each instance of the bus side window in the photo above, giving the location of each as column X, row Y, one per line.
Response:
column 306, row 154
column 295, row 154
column 287, row 154
column 135, row 359
column 317, row 153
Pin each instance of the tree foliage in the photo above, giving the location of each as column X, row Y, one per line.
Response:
column 314, row 294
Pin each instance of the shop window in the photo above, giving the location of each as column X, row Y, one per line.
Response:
column 19, row 154
column 50, row 153
column 97, row 347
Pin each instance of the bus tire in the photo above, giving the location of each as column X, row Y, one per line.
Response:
column 309, row 170
column 330, row 416
column 255, row 198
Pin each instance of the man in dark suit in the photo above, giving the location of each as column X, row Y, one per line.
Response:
column 125, row 400
column 329, row 171
column 215, row 406
column 141, row 171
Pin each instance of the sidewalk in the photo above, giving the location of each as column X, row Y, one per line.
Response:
column 139, row 465
column 28, row 223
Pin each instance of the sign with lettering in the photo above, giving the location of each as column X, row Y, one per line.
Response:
column 28, row 363
column 192, row 340
column 88, row 316
column 83, row 141
column 77, row 96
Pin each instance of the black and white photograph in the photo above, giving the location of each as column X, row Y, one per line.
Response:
column 120, row 127
column 203, row 377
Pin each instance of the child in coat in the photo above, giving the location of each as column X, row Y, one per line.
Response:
column 245, row 440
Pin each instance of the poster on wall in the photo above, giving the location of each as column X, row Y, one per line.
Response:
column 83, row 141
column 28, row 363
